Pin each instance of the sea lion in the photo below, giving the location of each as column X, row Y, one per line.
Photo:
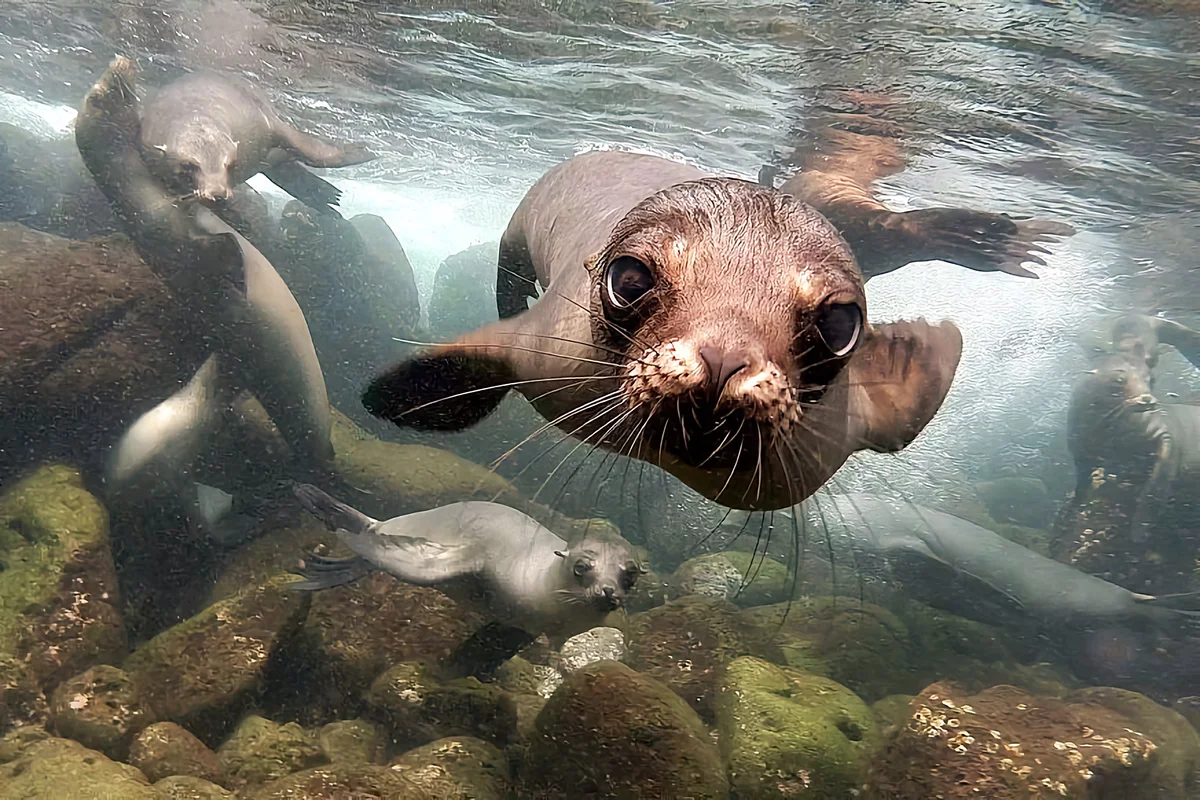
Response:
column 711, row 326
column 525, row 578
column 977, row 573
column 205, row 133
column 239, row 305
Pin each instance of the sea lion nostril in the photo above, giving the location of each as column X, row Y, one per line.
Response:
column 722, row 366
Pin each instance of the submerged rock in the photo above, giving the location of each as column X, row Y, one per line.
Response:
column 58, row 587
column 164, row 749
column 1019, row 500
column 260, row 751
column 1004, row 743
column 742, row 578
column 456, row 768
column 183, row 787
column 342, row 782
column 786, row 733
column 352, row 741
column 464, row 292
column 611, row 732
column 53, row 769
column 22, row 701
column 598, row 644
column 203, row 672
column 101, row 709
column 420, row 708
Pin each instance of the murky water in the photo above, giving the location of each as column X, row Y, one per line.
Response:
column 1083, row 113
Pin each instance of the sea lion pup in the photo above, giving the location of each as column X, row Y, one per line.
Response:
column 206, row 132
column 711, row 326
column 525, row 578
column 238, row 304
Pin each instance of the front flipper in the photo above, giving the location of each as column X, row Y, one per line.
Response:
column 898, row 379
column 488, row 648
column 1182, row 338
column 312, row 190
column 451, row 387
column 317, row 152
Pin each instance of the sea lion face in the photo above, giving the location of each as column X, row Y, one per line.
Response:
column 735, row 307
column 198, row 161
column 602, row 572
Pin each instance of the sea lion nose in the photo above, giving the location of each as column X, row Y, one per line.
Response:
column 722, row 366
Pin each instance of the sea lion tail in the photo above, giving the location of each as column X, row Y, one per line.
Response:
column 333, row 512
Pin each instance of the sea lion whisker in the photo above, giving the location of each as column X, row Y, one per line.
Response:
column 577, row 380
column 682, row 424
column 600, row 317
column 468, row 345
column 609, row 350
column 612, row 397
column 599, row 434
column 728, row 436
column 758, row 469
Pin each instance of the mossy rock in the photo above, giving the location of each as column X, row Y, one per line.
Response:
column 352, row 741
column 260, row 751
column 786, row 733
column 272, row 554
column 101, row 709
column 741, row 578
column 165, row 749
column 342, row 782
column 687, row 643
column 891, row 712
column 184, row 787
column 1017, row 500
column 22, row 701
column 611, row 732
column 456, row 768
column 54, row 769
column 419, row 707
column 203, row 672
column 58, row 588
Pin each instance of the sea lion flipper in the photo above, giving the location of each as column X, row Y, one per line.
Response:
column 898, row 379
column 978, row 240
column 312, row 190
column 317, row 152
column 486, row 649
column 1181, row 337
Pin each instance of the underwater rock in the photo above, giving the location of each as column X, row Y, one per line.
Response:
column 891, row 712
column 651, row 590
column 352, row 741
column 164, row 749
column 342, row 782
column 464, row 292
column 272, row 554
column 260, row 751
column 786, row 733
column 22, row 702
column 354, row 632
column 1018, row 500
column 185, row 787
column 456, row 768
column 419, row 707
column 58, row 587
column 53, row 769
column 611, row 732
column 591, row 646
column 100, row 709
column 741, row 578
column 687, row 643
column 202, row 672
column 1004, row 743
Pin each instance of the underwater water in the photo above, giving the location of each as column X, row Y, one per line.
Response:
column 997, row 594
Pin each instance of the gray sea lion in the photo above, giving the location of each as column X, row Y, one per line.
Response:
column 205, row 133
column 711, row 326
column 239, row 304
column 522, row 576
column 977, row 573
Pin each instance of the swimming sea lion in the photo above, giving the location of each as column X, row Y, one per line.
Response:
column 237, row 301
column 491, row 557
column 709, row 325
column 205, row 133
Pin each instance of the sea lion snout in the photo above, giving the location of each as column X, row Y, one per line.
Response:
column 722, row 365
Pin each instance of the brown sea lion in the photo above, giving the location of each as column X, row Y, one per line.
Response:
column 205, row 133
column 712, row 326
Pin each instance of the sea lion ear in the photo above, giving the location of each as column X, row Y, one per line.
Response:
column 898, row 378
column 448, row 388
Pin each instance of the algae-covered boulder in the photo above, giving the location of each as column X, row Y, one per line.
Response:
column 352, row 741
column 260, row 751
column 55, row 769
column 1004, row 743
column 271, row 554
column 22, row 701
column 184, row 787
column 342, row 782
column 418, row 707
column 202, row 672
column 456, row 768
column 165, row 749
column 687, row 642
column 786, row 733
column 611, row 732
column 101, row 709
column 742, row 578
column 58, row 587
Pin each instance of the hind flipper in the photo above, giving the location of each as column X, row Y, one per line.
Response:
column 312, row 190
column 317, row 579
column 334, row 513
column 486, row 649
column 318, row 152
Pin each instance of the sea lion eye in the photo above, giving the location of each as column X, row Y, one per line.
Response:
column 840, row 325
column 626, row 281
column 582, row 568
column 629, row 577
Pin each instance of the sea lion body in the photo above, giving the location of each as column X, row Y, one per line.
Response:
column 748, row 277
column 490, row 556
column 208, row 133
